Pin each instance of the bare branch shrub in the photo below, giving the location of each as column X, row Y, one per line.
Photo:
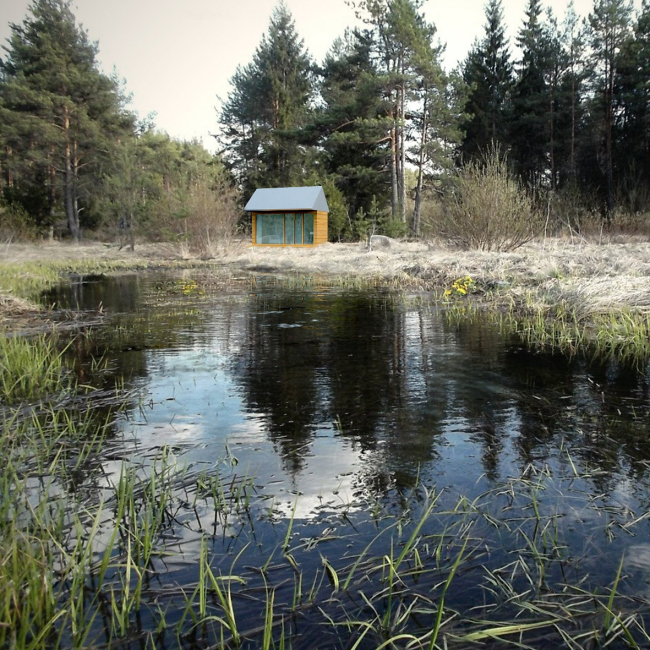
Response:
column 487, row 209
column 210, row 212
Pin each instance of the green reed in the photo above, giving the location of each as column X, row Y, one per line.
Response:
column 623, row 335
column 86, row 567
column 30, row 368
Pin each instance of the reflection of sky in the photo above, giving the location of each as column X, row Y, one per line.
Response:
column 453, row 413
column 191, row 402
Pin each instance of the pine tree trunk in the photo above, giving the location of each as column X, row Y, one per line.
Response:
column 51, row 172
column 418, row 190
column 574, row 93
column 9, row 179
column 609, row 92
column 552, row 136
column 71, row 214
column 402, row 162
column 68, row 181
column 131, row 231
column 393, row 169
column 572, row 159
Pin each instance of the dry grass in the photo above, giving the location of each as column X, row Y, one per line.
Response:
column 588, row 277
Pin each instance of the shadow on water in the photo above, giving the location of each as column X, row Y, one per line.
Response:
column 308, row 428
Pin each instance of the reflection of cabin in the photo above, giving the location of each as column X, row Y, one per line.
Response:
column 289, row 216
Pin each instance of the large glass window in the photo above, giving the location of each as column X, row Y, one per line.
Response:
column 270, row 229
column 285, row 228
column 309, row 228
column 298, row 229
column 288, row 228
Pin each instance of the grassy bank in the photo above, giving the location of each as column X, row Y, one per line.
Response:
column 555, row 293
column 27, row 270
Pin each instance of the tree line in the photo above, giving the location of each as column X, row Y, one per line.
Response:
column 379, row 122
column 74, row 158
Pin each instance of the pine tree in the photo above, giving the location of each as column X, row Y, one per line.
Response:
column 405, row 51
column 350, row 128
column 571, row 95
column 437, row 130
column 610, row 28
column 267, row 107
column 632, row 90
column 59, row 114
column 488, row 72
column 532, row 106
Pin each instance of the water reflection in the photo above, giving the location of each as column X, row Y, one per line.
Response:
column 334, row 394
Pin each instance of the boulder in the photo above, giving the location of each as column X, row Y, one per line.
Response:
column 381, row 241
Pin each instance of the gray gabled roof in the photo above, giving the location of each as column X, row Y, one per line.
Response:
column 288, row 198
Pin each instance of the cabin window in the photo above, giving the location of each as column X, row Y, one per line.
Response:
column 288, row 229
column 308, row 227
column 298, row 229
column 270, row 228
column 285, row 228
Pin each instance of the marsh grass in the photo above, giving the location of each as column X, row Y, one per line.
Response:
column 622, row 334
column 102, row 545
column 30, row 368
column 554, row 294
column 29, row 279
column 90, row 567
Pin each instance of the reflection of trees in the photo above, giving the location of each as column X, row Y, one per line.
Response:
column 348, row 364
column 278, row 366
column 374, row 376
column 483, row 395
column 114, row 359
column 599, row 407
column 119, row 294
column 397, row 380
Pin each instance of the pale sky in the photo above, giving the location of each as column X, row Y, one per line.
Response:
column 177, row 56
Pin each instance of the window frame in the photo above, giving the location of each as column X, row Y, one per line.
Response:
column 298, row 219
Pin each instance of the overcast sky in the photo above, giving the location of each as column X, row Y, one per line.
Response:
column 177, row 56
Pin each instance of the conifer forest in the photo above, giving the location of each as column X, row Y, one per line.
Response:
column 379, row 123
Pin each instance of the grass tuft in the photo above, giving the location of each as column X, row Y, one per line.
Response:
column 30, row 369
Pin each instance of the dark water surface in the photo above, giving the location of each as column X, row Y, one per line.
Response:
column 336, row 404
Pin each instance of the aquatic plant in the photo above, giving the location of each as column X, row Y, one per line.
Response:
column 88, row 570
column 107, row 542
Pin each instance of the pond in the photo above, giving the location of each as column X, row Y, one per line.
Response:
column 295, row 464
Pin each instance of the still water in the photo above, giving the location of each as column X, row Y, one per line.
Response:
column 333, row 401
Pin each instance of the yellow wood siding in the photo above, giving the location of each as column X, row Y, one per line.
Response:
column 320, row 230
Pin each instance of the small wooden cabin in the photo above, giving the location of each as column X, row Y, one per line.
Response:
column 289, row 216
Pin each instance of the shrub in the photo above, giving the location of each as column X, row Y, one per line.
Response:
column 205, row 214
column 487, row 209
column 15, row 223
